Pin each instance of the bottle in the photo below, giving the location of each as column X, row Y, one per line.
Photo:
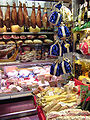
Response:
column 86, row 15
column 77, row 44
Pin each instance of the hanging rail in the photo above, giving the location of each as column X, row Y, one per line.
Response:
column 22, row 7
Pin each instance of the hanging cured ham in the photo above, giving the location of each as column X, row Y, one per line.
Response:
column 14, row 14
column 26, row 18
column 1, row 18
column 38, row 17
column 20, row 15
column 45, row 18
column 33, row 17
column 7, row 17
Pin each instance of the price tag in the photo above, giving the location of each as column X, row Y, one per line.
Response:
column 89, row 49
column 77, row 47
column 62, row 104
column 84, row 80
column 51, row 93
column 88, row 14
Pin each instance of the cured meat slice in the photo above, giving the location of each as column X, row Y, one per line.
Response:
column 15, row 37
column 30, row 36
column 14, row 14
column 6, row 37
column 33, row 17
column 38, row 17
column 22, row 37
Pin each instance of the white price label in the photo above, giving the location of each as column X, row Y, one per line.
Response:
column 62, row 104
column 77, row 47
column 84, row 80
column 89, row 49
column 51, row 94
column 88, row 14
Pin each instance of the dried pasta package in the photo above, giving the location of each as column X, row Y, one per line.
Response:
column 58, row 6
column 55, row 68
column 55, row 18
column 65, row 66
column 63, row 31
column 56, row 49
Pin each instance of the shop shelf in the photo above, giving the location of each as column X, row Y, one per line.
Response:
column 27, row 33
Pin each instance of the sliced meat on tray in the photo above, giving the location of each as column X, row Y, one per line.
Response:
column 6, row 37
column 30, row 36
column 15, row 37
column 23, row 37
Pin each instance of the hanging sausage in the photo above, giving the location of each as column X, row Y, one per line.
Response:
column 33, row 17
column 7, row 17
column 20, row 15
column 45, row 18
column 14, row 14
column 38, row 17
column 26, row 17
column 1, row 18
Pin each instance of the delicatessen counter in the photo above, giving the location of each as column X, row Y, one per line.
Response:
column 33, row 91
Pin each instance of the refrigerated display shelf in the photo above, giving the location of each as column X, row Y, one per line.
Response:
column 15, row 95
column 17, row 108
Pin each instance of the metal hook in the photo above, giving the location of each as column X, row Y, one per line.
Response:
column 33, row 3
column 7, row 2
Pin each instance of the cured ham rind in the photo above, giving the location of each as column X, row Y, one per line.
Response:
column 14, row 14
column 38, row 17
column 7, row 17
column 26, row 17
column 20, row 15
column 33, row 17
column 1, row 18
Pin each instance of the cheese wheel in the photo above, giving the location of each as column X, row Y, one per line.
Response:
column 11, row 42
column 48, row 41
column 28, row 42
column 36, row 41
column 2, row 43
